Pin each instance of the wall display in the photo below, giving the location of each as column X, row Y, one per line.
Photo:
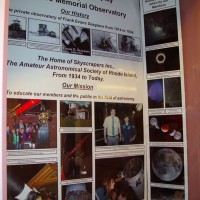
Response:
column 95, row 99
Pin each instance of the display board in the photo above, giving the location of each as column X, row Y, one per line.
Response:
column 95, row 100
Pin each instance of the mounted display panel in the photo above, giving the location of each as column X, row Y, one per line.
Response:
column 79, row 125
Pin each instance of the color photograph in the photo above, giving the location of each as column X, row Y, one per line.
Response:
column 31, row 124
column 118, row 124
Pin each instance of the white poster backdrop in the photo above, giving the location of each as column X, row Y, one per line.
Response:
column 44, row 65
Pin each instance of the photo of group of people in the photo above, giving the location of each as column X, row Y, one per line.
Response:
column 31, row 124
column 118, row 124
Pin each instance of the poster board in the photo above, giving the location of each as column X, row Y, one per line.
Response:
column 73, row 65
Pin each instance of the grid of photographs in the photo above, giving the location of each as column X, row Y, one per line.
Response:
column 165, row 104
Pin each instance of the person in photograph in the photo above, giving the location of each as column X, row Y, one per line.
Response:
column 9, row 137
column 128, row 131
column 81, row 43
column 112, row 129
column 14, row 141
column 21, row 125
column 17, row 138
column 22, row 137
column 104, row 192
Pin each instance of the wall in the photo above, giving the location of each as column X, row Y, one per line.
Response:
column 190, row 18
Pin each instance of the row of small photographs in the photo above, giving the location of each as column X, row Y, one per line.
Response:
column 75, row 39
column 164, row 93
column 118, row 178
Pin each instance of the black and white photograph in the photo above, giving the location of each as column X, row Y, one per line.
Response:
column 120, row 178
column 31, row 124
column 43, row 31
column 75, row 114
column 167, row 165
column 155, row 93
column 76, row 40
column 166, row 128
column 173, row 96
column 34, row 181
column 76, row 155
column 166, row 193
column 104, row 41
column 17, row 27
column 163, row 60
column 129, row 45
column 118, row 124
column 161, row 27
column 79, row 191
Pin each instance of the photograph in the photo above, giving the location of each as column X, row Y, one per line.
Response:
column 118, row 124
column 155, row 93
column 167, row 194
column 129, row 45
column 120, row 178
column 17, row 28
column 163, row 60
column 166, row 128
column 43, row 31
column 173, row 97
column 161, row 27
column 75, row 114
column 76, row 40
column 31, row 124
column 79, row 191
column 36, row 181
column 104, row 41
column 76, row 155
column 167, row 165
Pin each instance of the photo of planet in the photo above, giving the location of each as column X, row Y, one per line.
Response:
column 167, row 164
column 155, row 93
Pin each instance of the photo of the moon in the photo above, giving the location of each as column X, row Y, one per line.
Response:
column 167, row 164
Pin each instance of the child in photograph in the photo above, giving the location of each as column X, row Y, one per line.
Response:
column 128, row 131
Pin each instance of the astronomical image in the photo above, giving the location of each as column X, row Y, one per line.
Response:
column 127, row 124
column 43, row 31
column 155, row 93
column 78, row 191
column 104, row 41
column 75, row 114
column 76, row 40
column 120, row 178
column 167, row 165
column 17, row 28
column 173, row 97
column 167, row 194
column 166, row 128
column 163, row 60
column 76, row 155
column 161, row 27
column 35, row 181
column 129, row 45
column 31, row 124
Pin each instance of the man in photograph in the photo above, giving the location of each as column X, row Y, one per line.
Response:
column 112, row 129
